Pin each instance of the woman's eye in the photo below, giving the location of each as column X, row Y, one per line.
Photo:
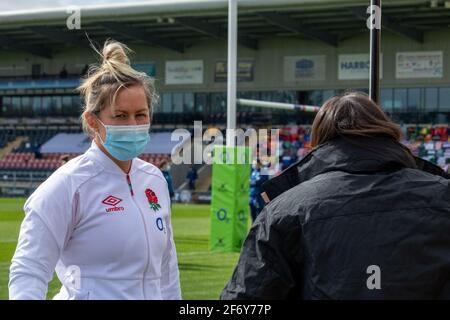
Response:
column 120, row 116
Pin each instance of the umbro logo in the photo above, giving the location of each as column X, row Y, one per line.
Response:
column 113, row 201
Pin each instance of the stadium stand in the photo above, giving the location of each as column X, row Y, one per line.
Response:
column 29, row 155
column 40, row 149
column 430, row 142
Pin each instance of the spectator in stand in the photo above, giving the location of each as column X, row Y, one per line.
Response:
column 63, row 160
column 287, row 158
column 63, row 74
column 37, row 151
column 85, row 70
column 192, row 177
column 164, row 166
column 301, row 152
column 257, row 178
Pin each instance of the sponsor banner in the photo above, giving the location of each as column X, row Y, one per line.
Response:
column 304, row 68
column 413, row 65
column 245, row 69
column 184, row 72
column 356, row 66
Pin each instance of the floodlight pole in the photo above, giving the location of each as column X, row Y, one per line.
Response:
column 231, row 65
column 375, row 46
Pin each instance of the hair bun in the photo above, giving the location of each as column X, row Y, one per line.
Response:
column 114, row 53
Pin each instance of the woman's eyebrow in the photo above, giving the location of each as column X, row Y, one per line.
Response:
column 126, row 111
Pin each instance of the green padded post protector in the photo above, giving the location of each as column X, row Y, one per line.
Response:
column 230, row 198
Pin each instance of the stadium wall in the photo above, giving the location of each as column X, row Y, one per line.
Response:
column 268, row 61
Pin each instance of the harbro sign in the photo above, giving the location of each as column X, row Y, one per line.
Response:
column 355, row 66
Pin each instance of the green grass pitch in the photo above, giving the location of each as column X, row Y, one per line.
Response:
column 203, row 274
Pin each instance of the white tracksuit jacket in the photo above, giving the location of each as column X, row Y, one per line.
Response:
column 104, row 238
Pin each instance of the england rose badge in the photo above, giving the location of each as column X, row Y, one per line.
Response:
column 152, row 199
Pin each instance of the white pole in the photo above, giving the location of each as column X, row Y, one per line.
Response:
column 277, row 105
column 231, row 84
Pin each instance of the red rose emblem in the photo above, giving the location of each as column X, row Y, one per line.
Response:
column 152, row 199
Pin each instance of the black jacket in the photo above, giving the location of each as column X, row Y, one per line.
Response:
column 349, row 205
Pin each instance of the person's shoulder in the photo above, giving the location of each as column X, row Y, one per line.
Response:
column 294, row 202
column 284, row 209
column 284, row 215
column 430, row 184
column 422, row 175
column 60, row 187
column 148, row 168
column 69, row 176
column 79, row 169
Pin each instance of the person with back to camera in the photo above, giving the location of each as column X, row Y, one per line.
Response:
column 359, row 217
column 102, row 220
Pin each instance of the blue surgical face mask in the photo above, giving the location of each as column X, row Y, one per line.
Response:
column 125, row 142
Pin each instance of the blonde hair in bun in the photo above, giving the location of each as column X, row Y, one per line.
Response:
column 103, row 81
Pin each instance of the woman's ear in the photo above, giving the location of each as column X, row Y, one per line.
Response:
column 91, row 120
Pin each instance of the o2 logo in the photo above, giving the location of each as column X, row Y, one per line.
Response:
column 160, row 224
column 222, row 215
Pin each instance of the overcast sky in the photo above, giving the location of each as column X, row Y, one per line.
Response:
column 25, row 5
column 8, row 5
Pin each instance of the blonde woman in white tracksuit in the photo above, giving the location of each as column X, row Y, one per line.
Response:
column 102, row 220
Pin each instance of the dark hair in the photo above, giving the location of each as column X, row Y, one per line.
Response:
column 351, row 114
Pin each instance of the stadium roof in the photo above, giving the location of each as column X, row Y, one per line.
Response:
column 178, row 24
